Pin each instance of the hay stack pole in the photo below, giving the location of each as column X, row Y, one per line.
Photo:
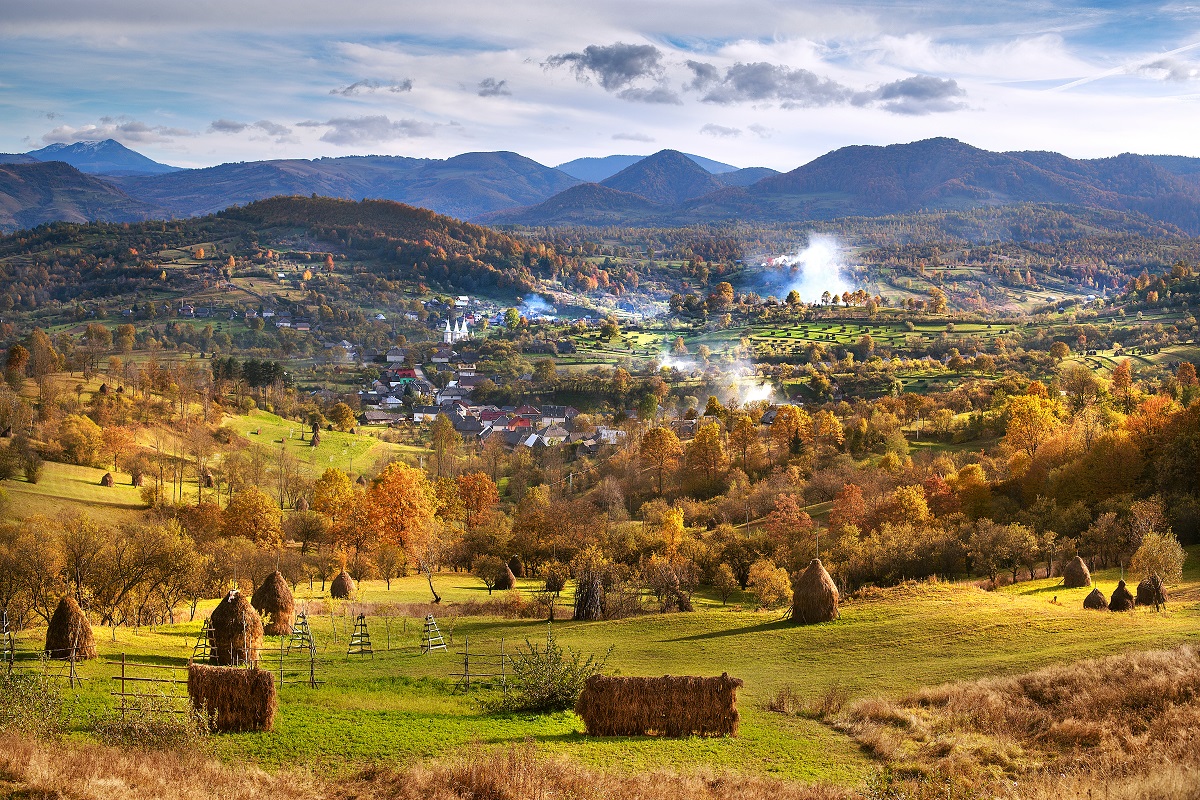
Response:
column 69, row 635
column 814, row 595
column 274, row 601
column 237, row 631
column 1076, row 574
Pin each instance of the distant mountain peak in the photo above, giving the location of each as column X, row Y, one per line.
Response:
column 668, row 177
column 101, row 156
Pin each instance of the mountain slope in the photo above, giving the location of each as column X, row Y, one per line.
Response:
column 744, row 177
column 463, row 186
column 586, row 204
column 668, row 177
column 596, row 170
column 31, row 194
column 108, row 157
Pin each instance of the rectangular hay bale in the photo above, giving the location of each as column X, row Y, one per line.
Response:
column 666, row 706
column 235, row 698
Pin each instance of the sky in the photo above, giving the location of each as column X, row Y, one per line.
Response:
column 748, row 82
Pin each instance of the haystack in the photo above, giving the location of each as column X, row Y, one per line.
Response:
column 274, row 601
column 666, row 706
column 1151, row 592
column 505, row 579
column 516, row 567
column 1121, row 599
column 69, row 632
column 342, row 586
column 237, row 631
column 1076, row 574
column 315, row 441
column 235, row 699
column 1095, row 601
column 814, row 595
column 108, row 480
column 302, row 505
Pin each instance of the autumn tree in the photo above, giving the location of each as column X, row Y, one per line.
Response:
column 771, row 585
column 402, row 505
column 743, row 433
column 1122, row 385
column 478, row 494
column 332, row 494
column 791, row 427
column 1031, row 421
column 342, row 417
column 253, row 515
column 705, row 455
column 660, row 450
column 445, row 442
column 14, row 366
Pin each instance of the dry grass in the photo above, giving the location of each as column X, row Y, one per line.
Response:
column 1097, row 723
column 668, row 706
column 31, row 768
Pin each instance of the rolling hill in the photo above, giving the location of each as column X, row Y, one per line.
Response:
column 668, row 177
column 31, row 194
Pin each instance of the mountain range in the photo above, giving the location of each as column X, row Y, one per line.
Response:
column 667, row 188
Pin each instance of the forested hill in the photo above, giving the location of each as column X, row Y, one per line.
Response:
column 34, row 193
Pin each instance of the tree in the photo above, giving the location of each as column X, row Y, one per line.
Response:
column 81, row 440
column 332, row 494
column 610, row 329
column 725, row 583
column 14, row 366
column 445, row 442
column 742, row 435
column 1122, row 385
column 680, row 347
column 660, row 449
column 389, row 562
column 255, row 516
column 478, row 494
column 705, row 454
column 1059, row 351
column 544, row 371
column 937, row 300
column 402, row 505
column 770, row 584
column 512, row 319
column 791, row 427
column 1159, row 554
column 488, row 569
column 308, row 528
column 342, row 417
column 1031, row 421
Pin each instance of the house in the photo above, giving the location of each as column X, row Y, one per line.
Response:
column 553, row 434
column 303, row 326
column 380, row 418
column 466, row 370
column 396, row 355
column 684, row 428
column 426, row 413
column 468, row 426
column 450, row 394
column 380, row 318
column 442, row 355
column 558, row 415
column 606, row 435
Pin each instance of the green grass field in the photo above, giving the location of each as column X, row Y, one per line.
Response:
column 72, row 488
column 400, row 706
column 351, row 453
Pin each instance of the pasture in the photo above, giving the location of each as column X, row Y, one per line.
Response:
column 400, row 706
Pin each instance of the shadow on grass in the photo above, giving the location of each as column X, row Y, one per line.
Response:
column 762, row 627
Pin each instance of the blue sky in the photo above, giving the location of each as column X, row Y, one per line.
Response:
column 752, row 83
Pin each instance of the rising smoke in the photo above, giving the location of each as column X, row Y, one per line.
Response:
column 817, row 268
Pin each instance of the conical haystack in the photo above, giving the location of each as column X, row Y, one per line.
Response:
column 505, row 579
column 814, row 595
column 107, row 480
column 1095, row 601
column 237, row 631
column 274, row 601
column 1151, row 592
column 1121, row 599
column 518, row 569
column 342, row 586
column 69, row 632
column 1076, row 574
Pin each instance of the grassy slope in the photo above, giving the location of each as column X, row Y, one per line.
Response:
column 398, row 706
column 336, row 449
column 73, row 488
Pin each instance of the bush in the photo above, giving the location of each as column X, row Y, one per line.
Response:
column 549, row 678
column 30, row 705
column 32, row 463
column 151, row 725
column 770, row 584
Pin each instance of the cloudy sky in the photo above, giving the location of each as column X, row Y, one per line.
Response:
column 750, row 82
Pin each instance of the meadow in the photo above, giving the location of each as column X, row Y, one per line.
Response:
column 400, row 707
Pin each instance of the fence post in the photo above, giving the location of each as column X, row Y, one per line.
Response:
column 467, row 663
column 281, row 663
column 122, row 687
column 503, row 677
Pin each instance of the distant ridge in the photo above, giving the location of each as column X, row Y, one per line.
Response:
column 596, row 170
column 31, row 194
column 668, row 177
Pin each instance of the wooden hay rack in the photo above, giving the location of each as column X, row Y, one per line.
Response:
column 360, row 640
column 431, row 637
column 295, row 666
column 483, row 667
column 145, row 688
column 202, row 651
column 302, row 637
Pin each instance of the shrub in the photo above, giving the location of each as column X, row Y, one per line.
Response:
column 150, row 724
column 31, row 464
column 549, row 678
column 1159, row 554
column 770, row 584
column 31, row 705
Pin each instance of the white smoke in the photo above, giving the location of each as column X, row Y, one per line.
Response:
column 811, row 271
column 534, row 307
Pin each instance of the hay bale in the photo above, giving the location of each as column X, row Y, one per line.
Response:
column 1151, row 592
column 814, row 595
column 302, row 505
column 505, row 579
column 1121, row 599
column 666, row 706
column 274, row 601
column 237, row 631
column 108, row 480
column 342, row 586
column 69, row 631
column 315, row 441
column 233, row 698
column 516, row 567
column 1076, row 574
column 209, row 480
column 1095, row 601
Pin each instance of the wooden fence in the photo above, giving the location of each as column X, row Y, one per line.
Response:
column 146, row 688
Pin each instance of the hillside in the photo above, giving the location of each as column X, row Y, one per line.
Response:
column 586, row 204
column 31, row 194
column 597, row 169
column 463, row 186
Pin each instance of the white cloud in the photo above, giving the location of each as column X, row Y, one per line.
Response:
column 123, row 129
